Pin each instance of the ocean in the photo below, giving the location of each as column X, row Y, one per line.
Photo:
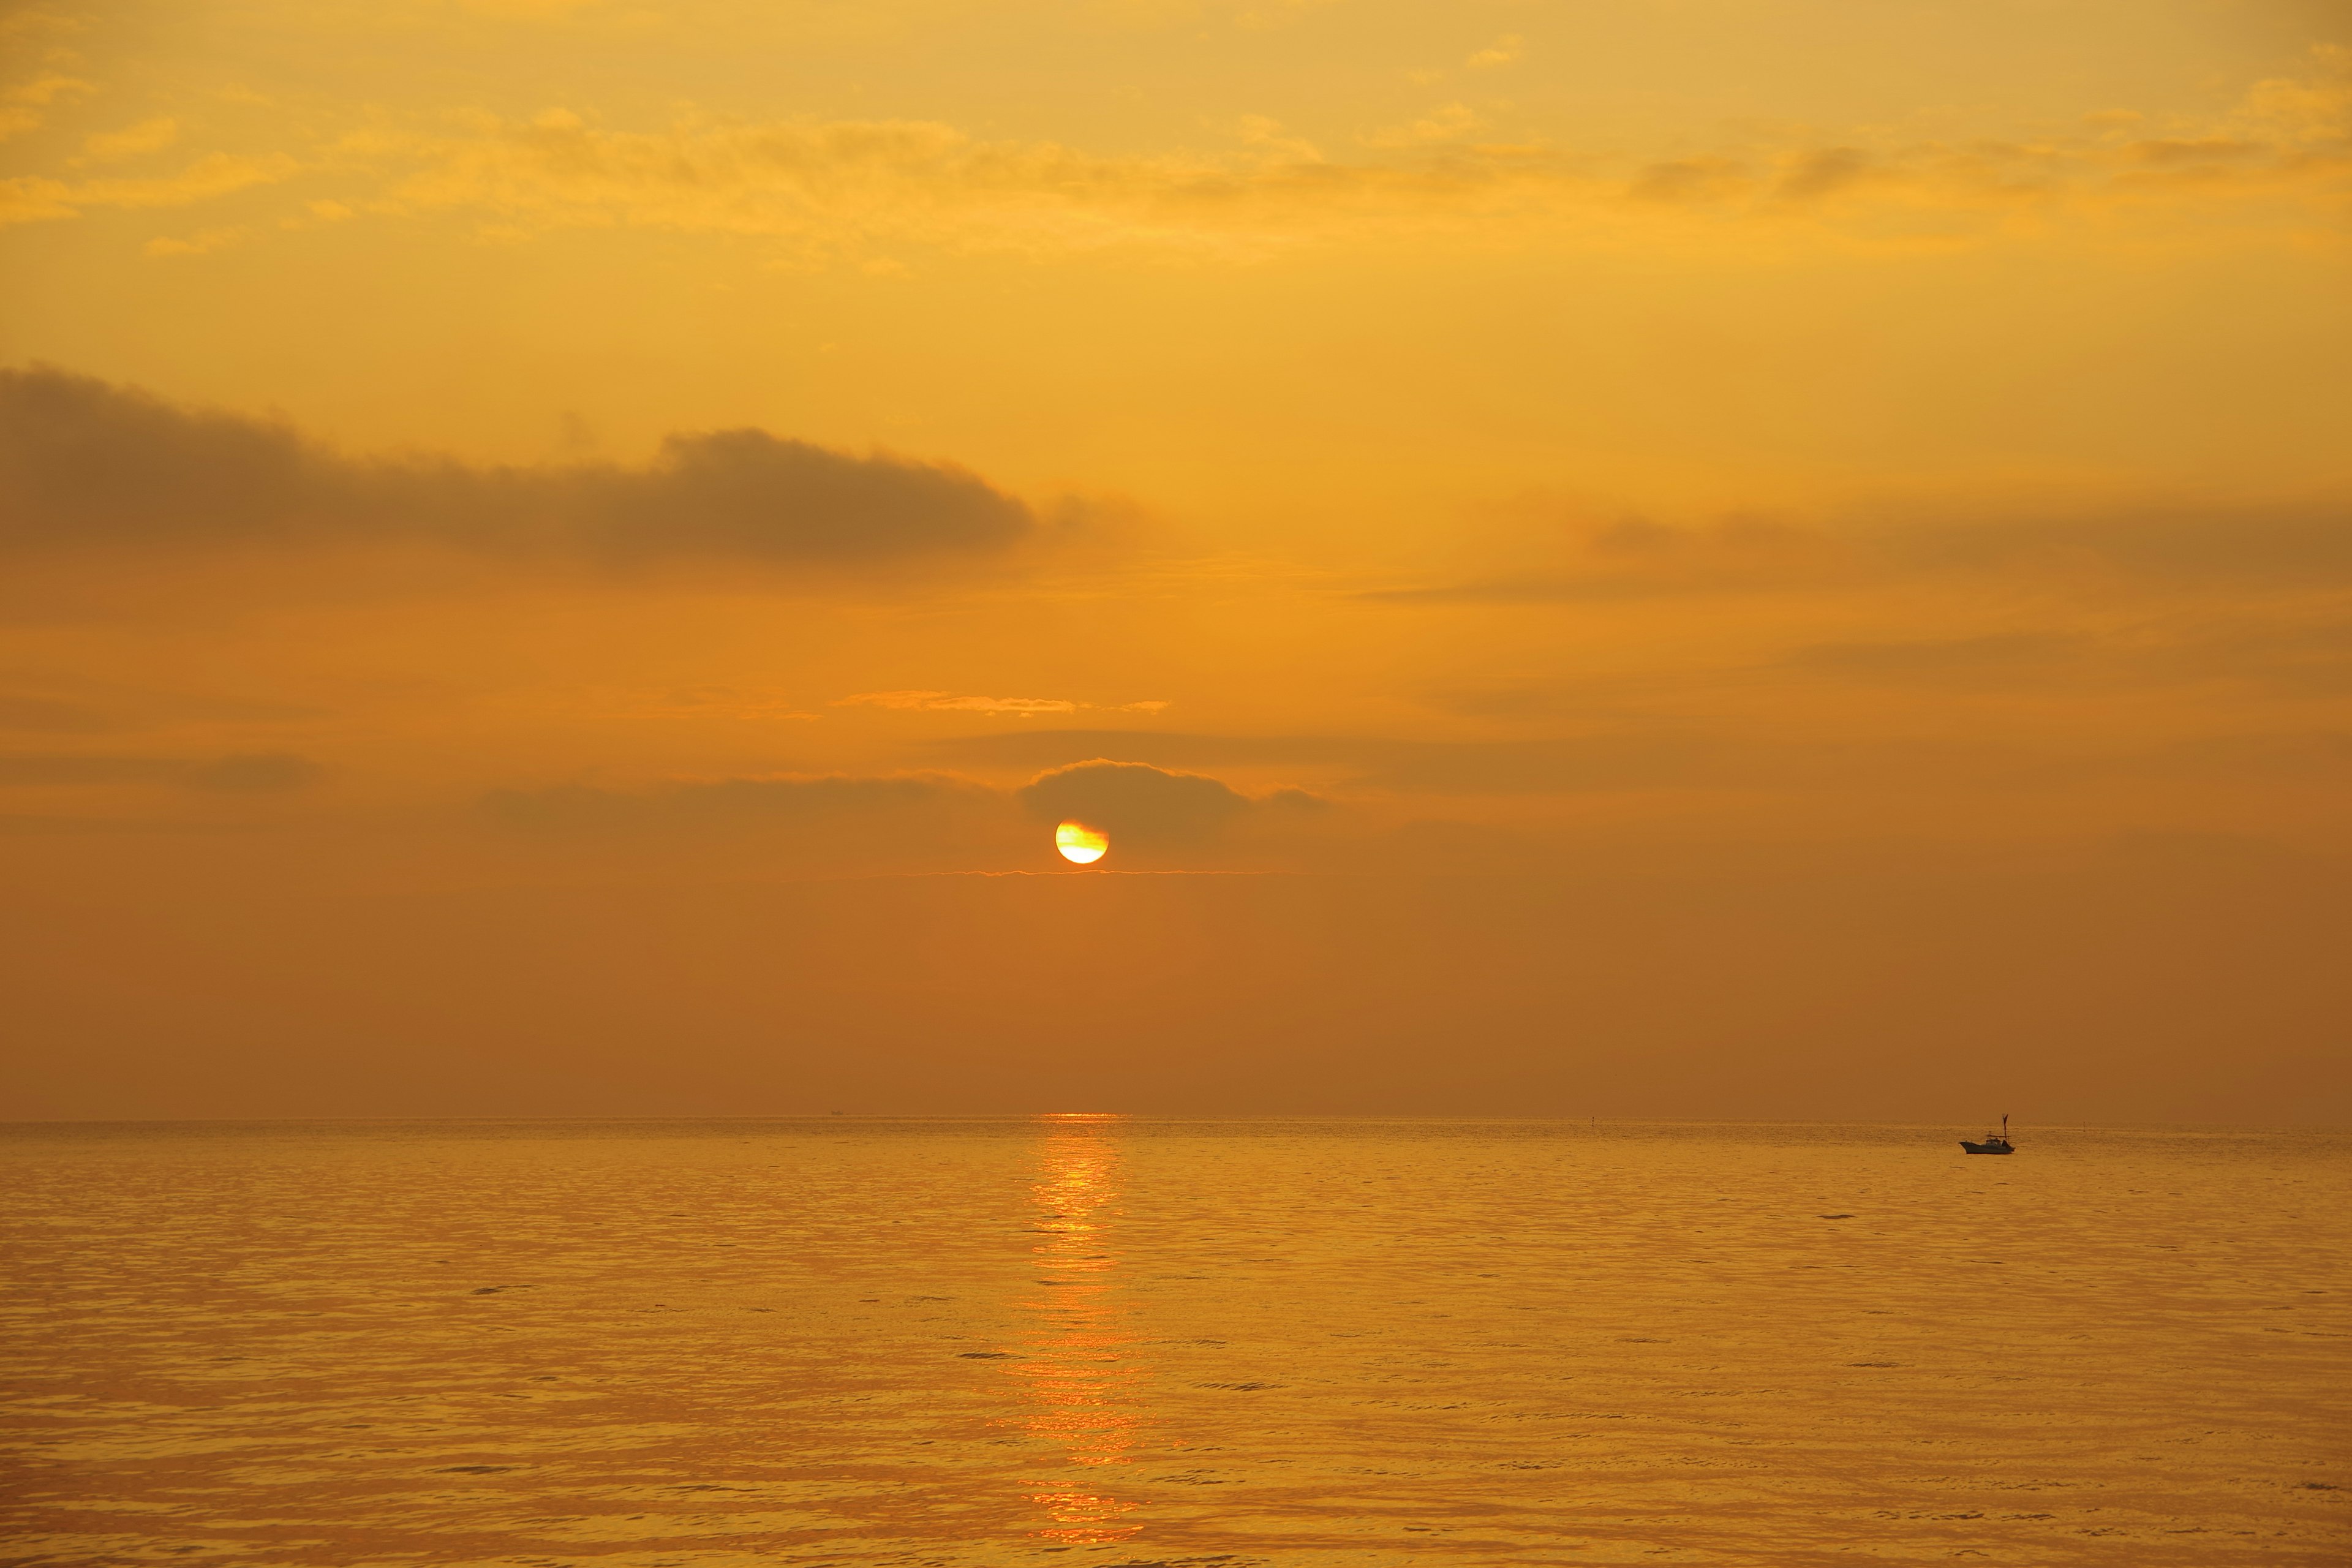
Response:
column 1100, row 1340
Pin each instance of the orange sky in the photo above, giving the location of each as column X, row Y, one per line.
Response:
column 1713, row 559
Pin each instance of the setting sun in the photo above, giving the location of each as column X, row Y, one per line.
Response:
column 1079, row 843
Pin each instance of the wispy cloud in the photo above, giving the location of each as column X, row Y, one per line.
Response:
column 24, row 106
column 1501, row 52
column 131, row 141
column 827, row 185
column 844, row 188
column 201, row 243
column 32, row 198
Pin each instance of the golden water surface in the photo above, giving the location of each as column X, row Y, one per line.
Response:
column 1109, row 1340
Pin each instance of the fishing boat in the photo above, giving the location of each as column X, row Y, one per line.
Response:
column 1994, row 1142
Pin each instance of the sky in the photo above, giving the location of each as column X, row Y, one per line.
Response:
column 1646, row 558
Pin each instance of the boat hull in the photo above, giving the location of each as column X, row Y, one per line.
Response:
column 1987, row 1148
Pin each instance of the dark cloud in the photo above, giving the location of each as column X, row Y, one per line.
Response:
column 1150, row 804
column 84, row 465
column 250, row 773
column 1137, row 802
column 917, row 821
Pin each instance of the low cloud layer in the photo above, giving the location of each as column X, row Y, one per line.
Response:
column 1157, row 812
column 85, row 466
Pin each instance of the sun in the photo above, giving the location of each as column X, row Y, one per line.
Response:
column 1080, row 844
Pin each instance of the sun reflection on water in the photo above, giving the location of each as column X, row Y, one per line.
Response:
column 1082, row 1384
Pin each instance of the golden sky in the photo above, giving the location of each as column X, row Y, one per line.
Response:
column 1627, row 557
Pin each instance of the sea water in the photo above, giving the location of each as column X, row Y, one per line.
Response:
column 1110, row 1340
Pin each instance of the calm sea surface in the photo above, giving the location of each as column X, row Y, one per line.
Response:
column 1104, row 1340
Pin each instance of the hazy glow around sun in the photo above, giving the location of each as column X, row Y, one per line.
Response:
column 1080, row 843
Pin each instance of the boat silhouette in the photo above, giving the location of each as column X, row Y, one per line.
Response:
column 1994, row 1142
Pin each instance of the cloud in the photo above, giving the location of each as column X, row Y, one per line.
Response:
column 1274, row 144
column 924, row 814
column 246, row 773
column 1501, row 52
column 1154, row 808
column 85, row 466
column 845, row 184
column 1451, row 124
column 131, row 141
column 32, row 198
column 22, row 106
column 201, row 243
column 1823, row 172
column 844, row 189
column 1691, row 180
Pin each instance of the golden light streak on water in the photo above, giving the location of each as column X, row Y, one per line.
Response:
column 1080, row 1374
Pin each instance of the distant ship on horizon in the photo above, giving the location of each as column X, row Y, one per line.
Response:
column 1994, row 1142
